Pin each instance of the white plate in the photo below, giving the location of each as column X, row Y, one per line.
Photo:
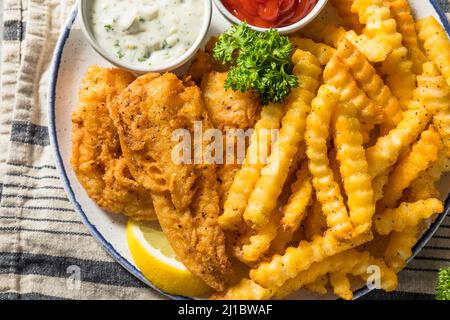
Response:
column 73, row 56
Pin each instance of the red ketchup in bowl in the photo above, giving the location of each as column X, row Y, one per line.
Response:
column 270, row 13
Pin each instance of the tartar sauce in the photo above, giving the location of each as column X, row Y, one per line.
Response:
column 146, row 32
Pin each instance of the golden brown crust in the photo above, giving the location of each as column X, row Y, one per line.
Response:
column 227, row 108
column 204, row 62
column 146, row 114
column 96, row 154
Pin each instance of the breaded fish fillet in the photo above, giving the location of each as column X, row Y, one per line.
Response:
column 228, row 109
column 185, row 196
column 204, row 62
column 96, row 153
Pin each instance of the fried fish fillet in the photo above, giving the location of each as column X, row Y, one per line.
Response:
column 185, row 196
column 96, row 153
column 204, row 62
column 227, row 110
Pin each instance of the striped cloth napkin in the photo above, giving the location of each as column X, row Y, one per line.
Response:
column 43, row 243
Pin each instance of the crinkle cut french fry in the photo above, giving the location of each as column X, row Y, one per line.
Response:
column 424, row 186
column 298, row 159
column 432, row 89
column 321, row 51
column 341, row 285
column 327, row 189
column 401, row 11
column 294, row 211
column 349, row 262
column 387, row 149
column 436, row 44
column 367, row 77
column 318, row 286
column 406, row 25
column 377, row 20
column 245, row 290
column 281, row 241
column 442, row 123
column 380, row 25
column 400, row 244
column 331, row 34
column 418, row 58
column 353, row 166
column 402, row 83
column 345, row 260
column 421, row 188
column 439, row 167
column 434, row 93
column 405, row 22
column 399, row 248
column 286, row 235
column 338, row 75
column 406, row 215
column 378, row 184
column 363, row 269
column 335, row 167
column 246, row 177
column 315, row 222
column 263, row 198
column 328, row 33
column 398, row 69
column 350, row 19
column 423, row 152
column 373, row 48
column 259, row 242
column 366, row 131
column 281, row 268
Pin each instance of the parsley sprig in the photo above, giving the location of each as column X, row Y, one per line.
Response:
column 443, row 285
column 259, row 61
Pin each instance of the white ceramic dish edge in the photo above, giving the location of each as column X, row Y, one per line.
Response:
column 170, row 66
column 284, row 30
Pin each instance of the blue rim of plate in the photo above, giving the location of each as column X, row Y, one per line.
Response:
column 55, row 66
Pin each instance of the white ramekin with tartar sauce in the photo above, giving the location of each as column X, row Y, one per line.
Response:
column 146, row 35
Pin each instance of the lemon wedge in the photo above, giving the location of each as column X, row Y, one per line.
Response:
column 156, row 259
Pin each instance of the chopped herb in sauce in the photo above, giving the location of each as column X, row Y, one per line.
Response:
column 147, row 32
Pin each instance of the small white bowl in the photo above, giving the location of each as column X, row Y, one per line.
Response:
column 84, row 7
column 284, row 30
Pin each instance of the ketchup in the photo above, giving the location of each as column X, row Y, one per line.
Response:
column 270, row 13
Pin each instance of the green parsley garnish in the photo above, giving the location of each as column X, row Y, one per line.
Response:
column 259, row 61
column 443, row 285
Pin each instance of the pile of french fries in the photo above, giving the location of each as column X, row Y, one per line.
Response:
column 366, row 136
